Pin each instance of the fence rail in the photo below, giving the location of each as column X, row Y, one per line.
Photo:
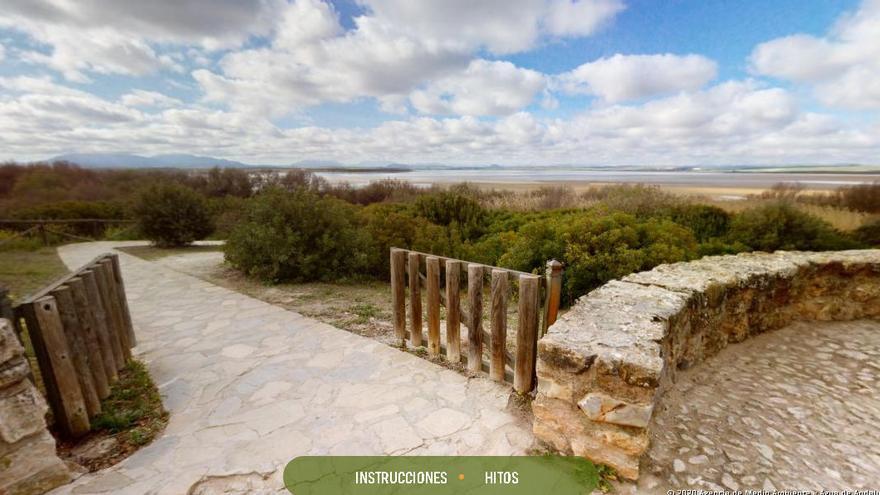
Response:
column 442, row 282
column 44, row 227
column 82, row 335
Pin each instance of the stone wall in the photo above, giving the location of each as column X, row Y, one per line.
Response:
column 28, row 464
column 604, row 365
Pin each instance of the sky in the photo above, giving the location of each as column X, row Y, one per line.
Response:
column 516, row 82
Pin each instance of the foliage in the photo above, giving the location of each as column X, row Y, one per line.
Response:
column 455, row 210
column 705, row 221
column 388, row 225
column 172, row 215
column 869, row 234
column 133, row 412
column 597, row 246
column 780, row 226
column 298, row 236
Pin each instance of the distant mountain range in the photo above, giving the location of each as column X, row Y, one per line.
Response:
column 125, row 160
column 180, row 160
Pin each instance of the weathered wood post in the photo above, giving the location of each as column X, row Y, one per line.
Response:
column 96, row 308
column 415, row 299
column 398, row 293
column 115, row 307
column 110, row 316
column 432, row 265
column 89, row 326
column 527, row 334
column 453, row 316
column 554, row 294
column 123, row 300
column 57, row 368
column 475, row 317
column 498, row 343
column 73, row 333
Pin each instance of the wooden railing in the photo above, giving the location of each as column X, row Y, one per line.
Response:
column 82, row 335
column 537, row 307
column 44, row 227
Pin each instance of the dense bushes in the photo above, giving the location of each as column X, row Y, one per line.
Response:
column 869, row 234
column 297, row 235
column 172, row 215
column 780, row 226
column 597, row 246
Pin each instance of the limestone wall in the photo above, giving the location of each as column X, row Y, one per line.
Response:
column 28, row 464
column 605, row 364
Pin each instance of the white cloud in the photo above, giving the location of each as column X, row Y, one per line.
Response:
column 2, row 52
column 501, row 26
column 484, row 88
column 120, row 36
column 633, row 77
column 148, row 99
column 307, row 64
column 580, row 17
column 843, row 67
column 732, row 122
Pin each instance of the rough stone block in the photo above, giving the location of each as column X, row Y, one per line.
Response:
column 21, row 414
column 600, row 407
column 10, row 348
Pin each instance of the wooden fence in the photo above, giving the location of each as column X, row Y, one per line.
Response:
column 44, row 227
column 82, row 335
column 537, row 306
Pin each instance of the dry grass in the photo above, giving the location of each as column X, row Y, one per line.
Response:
column 839, row 218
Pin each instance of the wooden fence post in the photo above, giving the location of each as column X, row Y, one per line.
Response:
column 123, row 301
column 96, row 307
column 398, row 293
column 89, row 326
column 453, row 316
column 115, row 307
column 498, row 343
column 68, row 403
column 432, row 266
column 554, row 293
column 475, row 316
column 527, row 334
column 73, row 333
column 110, row 316
column 415, row 299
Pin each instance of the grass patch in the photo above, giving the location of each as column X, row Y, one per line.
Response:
column 23, row 271
column 132, row 414
column 133, row 411
column 364, row 312
column 152, row 253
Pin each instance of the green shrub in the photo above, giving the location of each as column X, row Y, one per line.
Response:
column 780, row 226
column 172, row 215
column 297, row 236
column 454, row 210
column 705, row 221
column 597, row 246
column 869, row 234
column 388, row 225
column 600, row 248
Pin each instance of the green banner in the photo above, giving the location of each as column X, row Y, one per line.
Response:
column 434, row 475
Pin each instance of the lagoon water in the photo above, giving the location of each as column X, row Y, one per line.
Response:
column 497, row 175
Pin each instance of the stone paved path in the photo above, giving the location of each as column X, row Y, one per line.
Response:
column 797, row 408
column 250, row 386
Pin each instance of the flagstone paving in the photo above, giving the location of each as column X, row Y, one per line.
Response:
column 250, row 386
